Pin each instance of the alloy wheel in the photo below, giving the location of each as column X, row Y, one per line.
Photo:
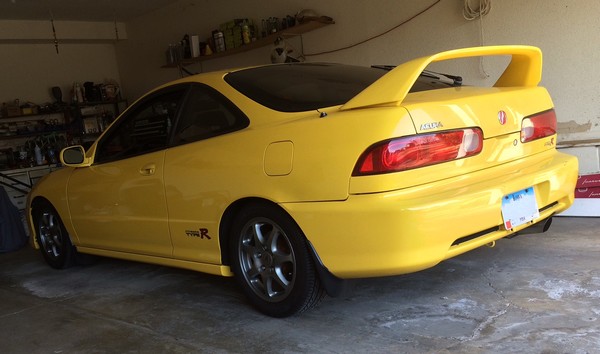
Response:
column 267, row 259
column 50, row 235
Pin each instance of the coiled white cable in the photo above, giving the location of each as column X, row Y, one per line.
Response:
column 471, row 13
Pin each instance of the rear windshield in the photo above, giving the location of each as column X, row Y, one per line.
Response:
column 298, row 87
column 302, row 87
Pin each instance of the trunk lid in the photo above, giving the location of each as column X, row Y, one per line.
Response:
column 497, row 111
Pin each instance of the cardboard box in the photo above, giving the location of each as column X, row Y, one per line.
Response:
column 587, row 192
column 90, row 110
column 29, row 110
column 588, row 186
column 12, row 110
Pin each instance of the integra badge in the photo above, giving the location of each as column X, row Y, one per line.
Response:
column 433, row 125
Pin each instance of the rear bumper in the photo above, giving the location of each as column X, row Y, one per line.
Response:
column 415, row 228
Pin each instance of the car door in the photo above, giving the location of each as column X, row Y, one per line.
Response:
column 118, row 203
column 196, row 172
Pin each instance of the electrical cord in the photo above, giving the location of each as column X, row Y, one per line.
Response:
column 376, row 36
column 470, row 14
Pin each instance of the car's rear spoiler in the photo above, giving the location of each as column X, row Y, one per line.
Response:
column 524, row 69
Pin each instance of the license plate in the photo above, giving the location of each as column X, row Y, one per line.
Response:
column 519, row 208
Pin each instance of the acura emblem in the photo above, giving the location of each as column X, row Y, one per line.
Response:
column 502, row 117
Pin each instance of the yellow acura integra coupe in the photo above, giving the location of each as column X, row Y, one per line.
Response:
column 294, row 177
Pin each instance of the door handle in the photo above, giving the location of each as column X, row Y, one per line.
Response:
column 148, row 170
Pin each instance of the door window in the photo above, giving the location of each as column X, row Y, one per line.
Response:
column 144, row 129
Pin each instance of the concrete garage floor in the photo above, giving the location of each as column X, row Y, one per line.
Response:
column 534, row 294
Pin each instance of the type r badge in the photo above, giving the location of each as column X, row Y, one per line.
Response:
column 201, row 233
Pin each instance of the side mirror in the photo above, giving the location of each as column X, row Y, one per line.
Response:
column 74, row 156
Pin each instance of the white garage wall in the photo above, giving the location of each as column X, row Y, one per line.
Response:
column 30, row 65
column 563, row 29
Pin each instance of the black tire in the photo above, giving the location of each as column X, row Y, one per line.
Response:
column 272, row 263
column 52, row 237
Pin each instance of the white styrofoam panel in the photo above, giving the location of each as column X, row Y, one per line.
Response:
column 583, row 207
column 589, row 158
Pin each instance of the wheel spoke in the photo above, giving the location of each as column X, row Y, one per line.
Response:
column 283, row 278
column 253, row 273
column 281, row 258
column 270, row 292
column 248, row 248
column 260, row 280
column 271, row 242
column 51, row 224
column 259, row 238
column 54, row 251
column 57, row 240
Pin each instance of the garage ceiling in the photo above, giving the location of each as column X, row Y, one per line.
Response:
column 78, row 10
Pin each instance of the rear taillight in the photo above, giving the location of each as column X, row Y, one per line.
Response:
column 419, row 150
column 538, row 126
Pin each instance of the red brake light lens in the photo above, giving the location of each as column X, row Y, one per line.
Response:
column 419, row 150
column 538, row 126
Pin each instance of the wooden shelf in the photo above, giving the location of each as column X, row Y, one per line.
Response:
column 262, row 42
column 32, row 134
column 31, row 115
column 97, row 103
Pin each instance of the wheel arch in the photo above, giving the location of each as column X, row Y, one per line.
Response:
column 227, row 222
column 333, row 285
column 38, row 200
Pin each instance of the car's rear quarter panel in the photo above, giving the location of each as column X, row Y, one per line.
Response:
column 204, row 178
column 327, row 149
column 324, row 151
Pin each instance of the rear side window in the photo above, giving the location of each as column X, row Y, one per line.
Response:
column 205, row 114
column 303, row 87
